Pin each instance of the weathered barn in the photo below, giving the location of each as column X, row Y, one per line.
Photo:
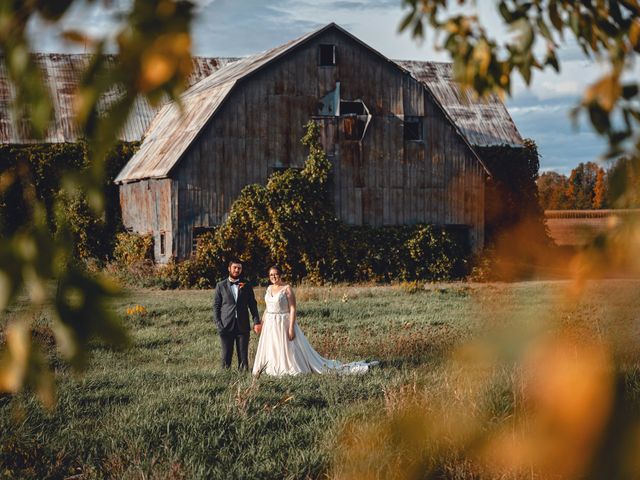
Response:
column 399, row 133
column 398, row 156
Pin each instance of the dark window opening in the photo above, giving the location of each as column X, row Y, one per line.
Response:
column 327, row 55
column 198, row 235
column 413, row 128
column 352, row 108
column 162, row 243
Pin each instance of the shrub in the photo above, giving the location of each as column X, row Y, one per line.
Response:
column 132, row 249
column 36, row 172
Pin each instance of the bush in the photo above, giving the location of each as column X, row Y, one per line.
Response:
column 132, row 249
column 35, row 172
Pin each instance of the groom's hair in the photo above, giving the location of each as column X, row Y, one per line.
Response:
column 234, row 260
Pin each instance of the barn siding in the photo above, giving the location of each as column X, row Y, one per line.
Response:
column 147, row 209
column 383, row 180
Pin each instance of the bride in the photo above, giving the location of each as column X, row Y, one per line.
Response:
column 283, row 349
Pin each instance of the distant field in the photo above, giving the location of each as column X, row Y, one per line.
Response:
column 578, row 227
column 164, row 409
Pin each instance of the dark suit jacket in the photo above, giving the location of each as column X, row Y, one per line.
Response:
column 231, row 316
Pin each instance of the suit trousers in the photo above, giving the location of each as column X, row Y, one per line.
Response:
column 241, row 342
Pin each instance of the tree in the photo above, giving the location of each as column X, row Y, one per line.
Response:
column 623, row 183
column 582, row 185
column 153, row 47
column 600, row 190
column 552, row 191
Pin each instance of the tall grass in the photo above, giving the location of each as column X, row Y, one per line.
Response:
column 164, row 408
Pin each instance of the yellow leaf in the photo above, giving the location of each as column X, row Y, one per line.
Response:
column 13, row 367
column 482, row 55
column 605, row 92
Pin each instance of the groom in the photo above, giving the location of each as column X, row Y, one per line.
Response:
column 232, row 302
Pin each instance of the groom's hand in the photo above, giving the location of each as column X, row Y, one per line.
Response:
column 257, row 328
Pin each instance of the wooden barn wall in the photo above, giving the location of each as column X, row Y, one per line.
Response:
column 383, row 180
column 147, row 208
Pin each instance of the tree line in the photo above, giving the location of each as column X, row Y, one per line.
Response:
column 591, row 187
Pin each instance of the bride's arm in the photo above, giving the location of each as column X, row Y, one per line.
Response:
column 292, row 311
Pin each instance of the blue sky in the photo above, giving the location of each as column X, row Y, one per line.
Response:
column 245, row 27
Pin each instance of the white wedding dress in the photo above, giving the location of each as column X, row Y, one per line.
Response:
column 277, row 355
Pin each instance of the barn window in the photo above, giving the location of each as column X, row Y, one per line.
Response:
column 163, row 239
column 354, row 119
column 413, row 128
column 352, row 108
column 327, row 55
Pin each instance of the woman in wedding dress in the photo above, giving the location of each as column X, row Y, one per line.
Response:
column 283, row 349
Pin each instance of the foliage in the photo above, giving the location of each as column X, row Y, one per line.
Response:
column 624, row 183
column 582, row 185
column 153, row 49
column 133, row 248
column 37, row 171
column 552, row 191
column 511, row 196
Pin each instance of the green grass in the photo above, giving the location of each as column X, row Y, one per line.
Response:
column 164, row 408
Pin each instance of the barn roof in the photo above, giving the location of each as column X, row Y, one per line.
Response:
column 62, row 74
column 483, row 122
column 164, row 144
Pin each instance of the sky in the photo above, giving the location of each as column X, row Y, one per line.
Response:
column 244, row 27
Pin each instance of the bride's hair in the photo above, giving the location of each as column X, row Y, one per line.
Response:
column 276, row 268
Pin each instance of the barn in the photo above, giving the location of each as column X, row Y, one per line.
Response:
column 400, row 136
column 403, row 138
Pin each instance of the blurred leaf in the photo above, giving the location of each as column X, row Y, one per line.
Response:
column 14, row 362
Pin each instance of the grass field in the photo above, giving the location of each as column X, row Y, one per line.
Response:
column 164, row 409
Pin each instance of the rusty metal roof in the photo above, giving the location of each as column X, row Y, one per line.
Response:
column 482, row 122
column 62, row 73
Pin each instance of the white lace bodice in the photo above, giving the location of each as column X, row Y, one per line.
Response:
column 277, row 303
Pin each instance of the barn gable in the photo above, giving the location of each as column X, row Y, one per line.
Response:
column 171, row 133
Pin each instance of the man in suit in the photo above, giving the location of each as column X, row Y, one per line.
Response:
column 232, row 302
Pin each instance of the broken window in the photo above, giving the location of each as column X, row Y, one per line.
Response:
column 354, row 119
column 327, row 55
column 353, row 115
column 352, row 108
column 413, row 128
